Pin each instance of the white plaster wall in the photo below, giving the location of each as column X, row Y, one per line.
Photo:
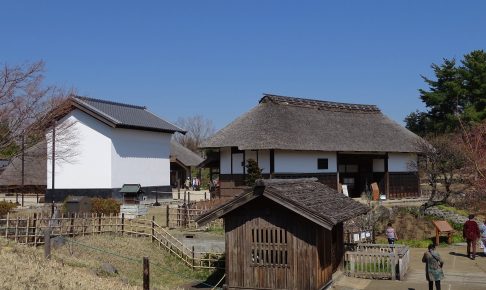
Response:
column 225, row 160
column 303, row 161
column 264, row 160
column 237, row 166
column 91, row 166
column 399, row 162
column 140, row 157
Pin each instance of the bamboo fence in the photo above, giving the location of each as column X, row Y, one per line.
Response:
column 30, row 231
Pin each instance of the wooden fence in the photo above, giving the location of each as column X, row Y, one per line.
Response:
column 377, row 261
column 30, row 231
column 183, row 216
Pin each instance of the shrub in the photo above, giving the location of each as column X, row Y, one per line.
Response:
column 105, row 206
column 5, row 207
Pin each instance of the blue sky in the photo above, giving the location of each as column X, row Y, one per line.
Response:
column 216, row 58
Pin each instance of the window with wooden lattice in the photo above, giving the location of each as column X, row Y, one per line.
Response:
column 269, row 247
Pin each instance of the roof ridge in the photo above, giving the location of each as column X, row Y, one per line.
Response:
column 110, row 102
column 319, row 104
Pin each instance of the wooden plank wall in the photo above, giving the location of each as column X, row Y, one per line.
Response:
column 270, row 247
column 404, row 185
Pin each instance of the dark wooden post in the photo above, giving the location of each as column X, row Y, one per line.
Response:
column 47, row 243
column 153, row 229
column 205, row 196
column 179, row 193
column 185, row 193
column 188, row 197
column 193, row 259
column 167, row 216
column 99, row 224
column 146, row 273
column 123, row 223
column 71, row 228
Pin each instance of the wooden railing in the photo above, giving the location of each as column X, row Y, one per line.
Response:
column 184, row 216
column 377, row 261
column 30, row 230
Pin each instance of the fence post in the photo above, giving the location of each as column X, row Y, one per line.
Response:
column 17, row 229
column 167, row 216
column 205, row 197
column 7, row 226
column 179, row 193
column 185, row 194
column 146, row 273
column 393, row 266
column 27, row 228
column 189, row 197
column 123, row 223
column 71, row 226
column 193, row 260
column 99, row 224
column 34, row 225
column 47, row 243
column 153, row 228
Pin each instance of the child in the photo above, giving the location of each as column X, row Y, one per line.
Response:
column 391, row 234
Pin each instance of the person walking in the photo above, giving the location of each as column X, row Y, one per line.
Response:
column 187, row 184
column 482, row 229
column 433, row 267
column 391, row 235
column 471, row 234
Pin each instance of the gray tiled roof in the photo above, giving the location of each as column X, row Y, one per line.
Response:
column 121, row 115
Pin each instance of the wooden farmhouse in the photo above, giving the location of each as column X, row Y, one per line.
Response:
column 29, row 178
column 285, row 234
column 116, row 144
column 182, row 160
column 338, row 143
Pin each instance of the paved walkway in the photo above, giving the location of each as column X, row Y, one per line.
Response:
column 461, row 273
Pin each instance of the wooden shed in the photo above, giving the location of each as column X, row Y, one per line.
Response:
column 285, row 234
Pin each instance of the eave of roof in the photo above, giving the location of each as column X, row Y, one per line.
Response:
column 313, row 125
column 82, row 103
column 264, row 188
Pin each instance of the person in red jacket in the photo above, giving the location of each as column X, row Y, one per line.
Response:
column 471, row 233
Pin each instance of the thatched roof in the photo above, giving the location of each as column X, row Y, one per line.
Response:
column 306, row 197
column 35, row 168
column 184, row 155
column 288, row 123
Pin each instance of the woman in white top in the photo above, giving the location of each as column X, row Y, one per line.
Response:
column 391, row 234
column 482, row 230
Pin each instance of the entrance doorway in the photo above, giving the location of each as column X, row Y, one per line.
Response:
column 357, row 172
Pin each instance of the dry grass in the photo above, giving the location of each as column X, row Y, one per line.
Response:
column 126, row 254
column 24, row 267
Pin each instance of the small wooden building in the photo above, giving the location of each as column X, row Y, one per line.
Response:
column 285, row 234
column 133, row 201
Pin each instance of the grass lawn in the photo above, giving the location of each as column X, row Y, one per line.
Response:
column 24, row 267
column 126, row 254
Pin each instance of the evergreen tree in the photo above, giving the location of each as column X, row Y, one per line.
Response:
column 456, row 93
column 253, row 172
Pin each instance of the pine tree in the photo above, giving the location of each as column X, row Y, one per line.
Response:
column 253, row 172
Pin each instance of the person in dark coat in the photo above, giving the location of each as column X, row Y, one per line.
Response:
column 471, row 234
column 433, row 267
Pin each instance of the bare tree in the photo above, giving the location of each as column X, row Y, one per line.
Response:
column 442, row 162
column 28, row 110
column 198, row 129
column 474, row 146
